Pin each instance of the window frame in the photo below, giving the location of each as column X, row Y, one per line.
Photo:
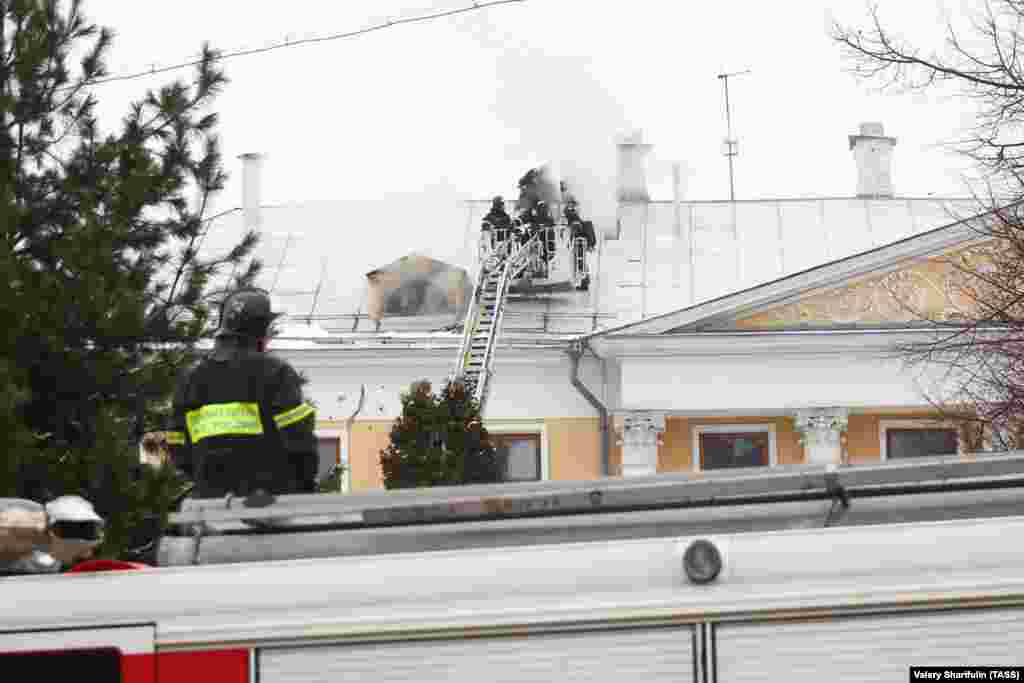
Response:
column 699, row 430
column 919, row 423
column 525, row 427
column 496, row 436
column 340, row 435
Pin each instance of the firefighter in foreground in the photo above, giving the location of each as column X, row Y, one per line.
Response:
column 240, row 424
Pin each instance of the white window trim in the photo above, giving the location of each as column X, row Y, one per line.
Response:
column 719, row 428
column 885, row 425
column 525, row 426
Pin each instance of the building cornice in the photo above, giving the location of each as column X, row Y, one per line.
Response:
column 344, row 355
column 759, row 343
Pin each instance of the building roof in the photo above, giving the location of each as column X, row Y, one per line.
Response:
column 316, row 254
column 747, row 301
column 695, row 254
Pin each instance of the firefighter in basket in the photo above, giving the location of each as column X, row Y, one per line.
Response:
column 578, row 226
column 543, row 222
column 240, row 424
column 496, row 223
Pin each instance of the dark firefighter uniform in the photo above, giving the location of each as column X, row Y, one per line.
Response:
column 240, row 422
column 497, row 218
column 580, row 227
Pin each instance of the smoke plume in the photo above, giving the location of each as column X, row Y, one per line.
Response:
column 552, row 108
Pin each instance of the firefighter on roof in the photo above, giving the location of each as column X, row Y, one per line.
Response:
column 240, row 423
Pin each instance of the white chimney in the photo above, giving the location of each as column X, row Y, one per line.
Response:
column 872, row 151
column 252, row 167
column 632, row 180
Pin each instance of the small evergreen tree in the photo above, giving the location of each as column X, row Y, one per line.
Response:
column 105, row 290
column 439, row 440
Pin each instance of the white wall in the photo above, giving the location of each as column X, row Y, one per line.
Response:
column 522, row 387
column 768, row 382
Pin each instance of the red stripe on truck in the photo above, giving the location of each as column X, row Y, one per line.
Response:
column 222, row 666
column 138, row 668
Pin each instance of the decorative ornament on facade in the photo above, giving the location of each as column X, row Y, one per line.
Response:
column 941, row 288
column 640, row 438
column 642, row 430
column 821, row 426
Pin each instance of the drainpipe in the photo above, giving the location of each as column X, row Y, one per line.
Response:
column 348, row 435
column 575, row 352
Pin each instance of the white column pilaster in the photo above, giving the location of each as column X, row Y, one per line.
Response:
column 821, row 431
column 641, row 432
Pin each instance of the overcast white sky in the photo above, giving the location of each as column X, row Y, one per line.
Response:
column 463, row 105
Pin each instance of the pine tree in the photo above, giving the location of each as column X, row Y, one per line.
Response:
column 107, row 291
column 439, row 440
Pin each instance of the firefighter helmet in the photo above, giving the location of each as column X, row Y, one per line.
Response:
column 247, row 313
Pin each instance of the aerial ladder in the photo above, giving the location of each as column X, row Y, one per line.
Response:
column 486, row 309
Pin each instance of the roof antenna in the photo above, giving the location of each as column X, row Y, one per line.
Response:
column 731, row 144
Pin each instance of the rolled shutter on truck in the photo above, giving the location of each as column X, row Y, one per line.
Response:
column 868, row 648
column 655, row 655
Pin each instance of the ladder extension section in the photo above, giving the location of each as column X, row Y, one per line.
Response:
column 714, row 489
column 486, row 309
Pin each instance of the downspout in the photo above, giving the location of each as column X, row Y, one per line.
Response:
column 348, row 436
column 575, row 352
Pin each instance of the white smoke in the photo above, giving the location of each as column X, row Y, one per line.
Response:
column 552, row 108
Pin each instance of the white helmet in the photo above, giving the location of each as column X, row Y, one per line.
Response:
column 71, row 509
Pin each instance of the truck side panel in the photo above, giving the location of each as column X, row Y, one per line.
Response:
column 875, row 648
column 647, row 654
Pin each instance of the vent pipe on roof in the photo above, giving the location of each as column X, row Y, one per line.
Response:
column 872, row 151
column 252, row 172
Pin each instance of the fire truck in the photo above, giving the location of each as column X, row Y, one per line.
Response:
column 801, row 573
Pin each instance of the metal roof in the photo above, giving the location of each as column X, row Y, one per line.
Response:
column 317, row 253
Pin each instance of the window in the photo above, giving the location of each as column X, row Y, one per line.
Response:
column 725, row 446
column 917, row 439
column 520, row 456
column 329, row 450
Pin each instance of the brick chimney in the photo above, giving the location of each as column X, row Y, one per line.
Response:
column 872, row 151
